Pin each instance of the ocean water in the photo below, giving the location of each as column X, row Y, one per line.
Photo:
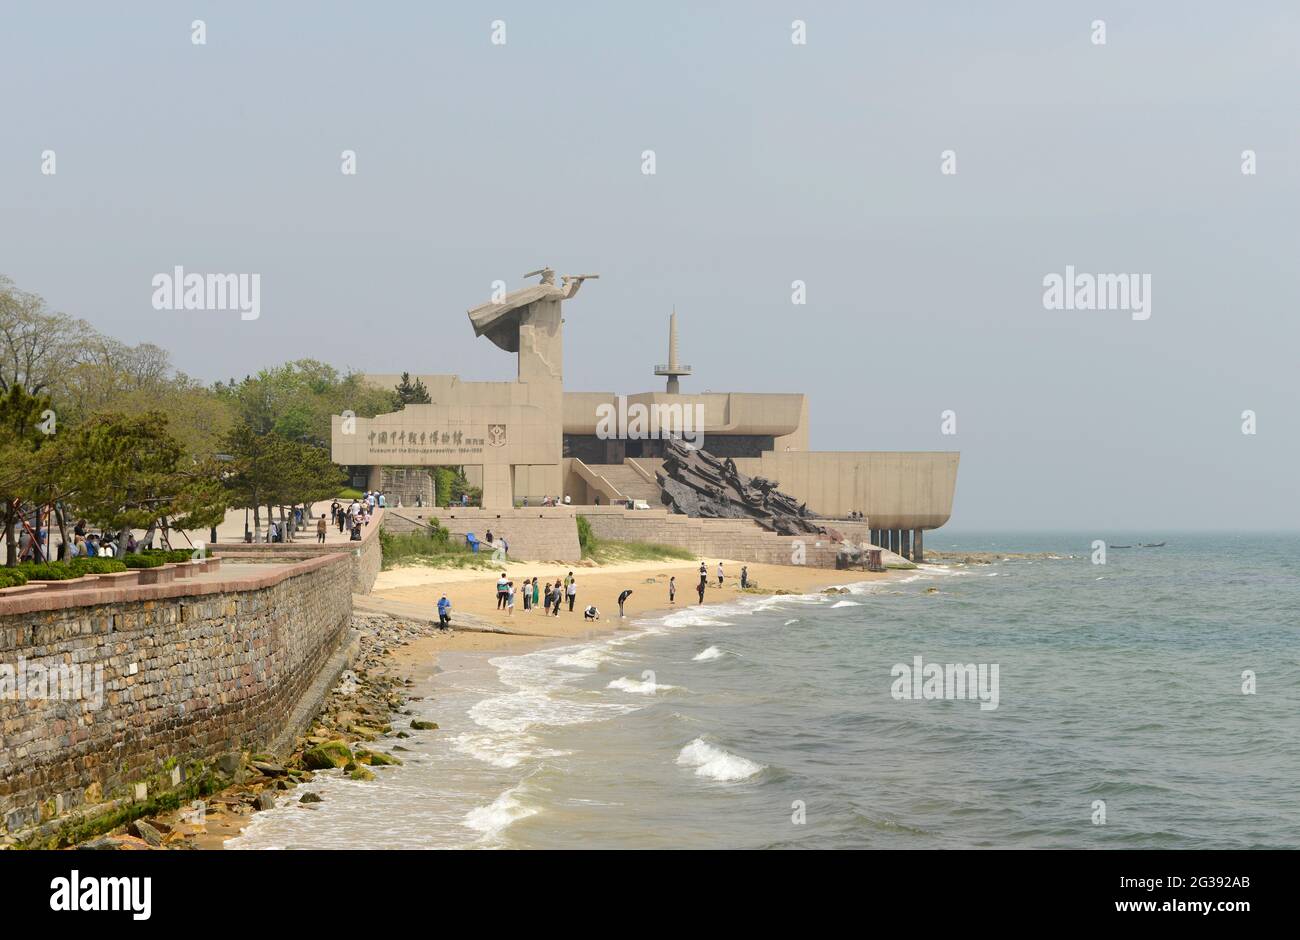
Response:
column 770, row 723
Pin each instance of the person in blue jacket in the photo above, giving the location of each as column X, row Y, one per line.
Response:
column 444, row 612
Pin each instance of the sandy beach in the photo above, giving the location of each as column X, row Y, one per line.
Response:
column 415, row 589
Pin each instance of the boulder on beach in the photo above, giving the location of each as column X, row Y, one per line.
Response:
column 419, row 725
column 327, row 755
column 376, row 759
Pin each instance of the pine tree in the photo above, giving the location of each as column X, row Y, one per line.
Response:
column 410, row 392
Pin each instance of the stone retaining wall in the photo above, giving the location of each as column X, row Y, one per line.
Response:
column 535, row 534
column 189, row 673
column 738, row 539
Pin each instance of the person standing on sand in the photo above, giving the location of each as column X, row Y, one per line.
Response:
column 510, row 599
column 546, row 599
column 502, row 586
column 719, row 574
column 536, row 592
column 559, row 598
column 621, row 599
column 444, row 612
column 672, row 590
column 744, row 576
column 528, row 593
column 703, row 584
column 573, row 591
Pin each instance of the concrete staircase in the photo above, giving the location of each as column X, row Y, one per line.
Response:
column 629, row 482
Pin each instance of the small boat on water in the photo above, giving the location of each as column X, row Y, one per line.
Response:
column 1151, row 544
column 1121, row 546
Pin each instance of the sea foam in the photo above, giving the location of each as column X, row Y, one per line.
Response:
column 505, row 810
column 713, row 762
column 646, row 687
column 705, row 655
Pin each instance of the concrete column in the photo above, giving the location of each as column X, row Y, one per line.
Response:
column 918, row 552
column 497, row 490
column 875, row 536
column 907, row 544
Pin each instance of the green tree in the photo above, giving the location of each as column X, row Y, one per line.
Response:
column 410, row 392
column 295, row 401
column 22, row 417
column 127, row 472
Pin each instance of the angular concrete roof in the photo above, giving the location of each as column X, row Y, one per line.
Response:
column 499, row 322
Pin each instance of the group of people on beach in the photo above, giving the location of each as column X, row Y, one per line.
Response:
column 547, row 600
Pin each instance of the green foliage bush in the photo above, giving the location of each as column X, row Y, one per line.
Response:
column 48, row 571
column 12, row 577
column 145, row 560
column 587, row 540
column 433, row 546
column 172, row 555
column 96, row 565
column 67, row 570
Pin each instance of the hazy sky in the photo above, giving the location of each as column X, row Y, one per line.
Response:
column 774, row 161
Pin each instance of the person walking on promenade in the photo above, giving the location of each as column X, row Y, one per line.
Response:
column 672, row 590
column 320, row 529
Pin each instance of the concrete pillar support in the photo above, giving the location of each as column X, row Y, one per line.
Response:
column 907, row 544
column 918, row 551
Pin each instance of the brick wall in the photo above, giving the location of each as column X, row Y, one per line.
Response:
column 191, row 671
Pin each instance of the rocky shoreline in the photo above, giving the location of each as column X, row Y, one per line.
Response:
column 957, row 559
column 367, row 706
